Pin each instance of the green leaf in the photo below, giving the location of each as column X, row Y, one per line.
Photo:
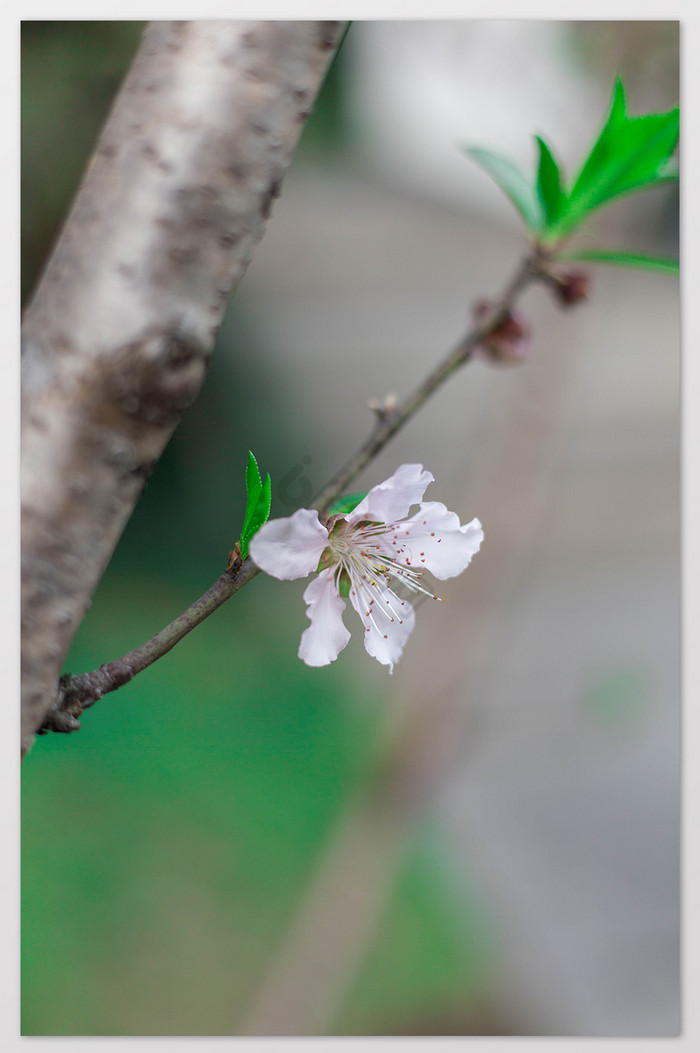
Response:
column 642, row 146
column 261, row 511
column 512, row 182
column 593, row 169
column 253, row 485
column 549, row 184
column 666, row 264
column 630, row 154
column 258, row 504
column 347, row 503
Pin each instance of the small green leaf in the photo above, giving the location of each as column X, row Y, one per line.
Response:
column 258, row 504
column 253, row 485
column 347, row 503
column 642, row 148
column 549, row 184
column 512, row 182
column 261, row 511
column 666, row 264
column 593, row 168
column 630, row 154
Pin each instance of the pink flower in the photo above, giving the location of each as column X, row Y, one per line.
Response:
column 360, row 556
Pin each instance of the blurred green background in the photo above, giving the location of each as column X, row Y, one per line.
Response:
column 168, row 847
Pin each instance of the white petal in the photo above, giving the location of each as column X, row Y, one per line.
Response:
column 290, row 548
column 326, row 637
column 434, row 540
column 388, row 621
column 392, row 499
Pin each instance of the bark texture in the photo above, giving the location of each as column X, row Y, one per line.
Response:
column 117, row 337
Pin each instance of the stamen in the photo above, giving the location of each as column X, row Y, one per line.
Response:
column 367, row 562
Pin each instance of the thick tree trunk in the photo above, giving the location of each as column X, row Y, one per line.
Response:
column 117, row 337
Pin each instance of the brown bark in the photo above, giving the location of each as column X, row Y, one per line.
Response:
column 117, row 337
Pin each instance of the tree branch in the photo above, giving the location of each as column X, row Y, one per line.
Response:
column 76, row 693
column 117, row 338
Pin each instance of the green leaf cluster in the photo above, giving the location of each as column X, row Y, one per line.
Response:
column 630, row 154
column 258, row 504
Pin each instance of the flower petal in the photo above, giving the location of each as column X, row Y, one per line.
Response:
column 326, row 637
column 289, row 548
column 388, row 620
column 434, row 540
column 392, row 499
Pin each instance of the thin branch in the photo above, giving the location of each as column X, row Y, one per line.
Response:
column 392, row 421
column 77, row 693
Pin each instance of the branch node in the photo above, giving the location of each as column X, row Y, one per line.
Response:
column 384, row 409
column 61, row 722
column 235, row 561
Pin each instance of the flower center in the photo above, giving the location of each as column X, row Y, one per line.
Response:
column 371, row 554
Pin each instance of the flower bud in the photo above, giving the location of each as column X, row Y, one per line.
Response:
column 507, row 342
column 571, row 287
